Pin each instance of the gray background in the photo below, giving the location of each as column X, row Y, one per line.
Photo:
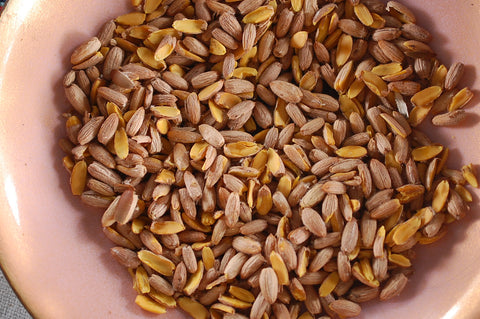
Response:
column 10, row 306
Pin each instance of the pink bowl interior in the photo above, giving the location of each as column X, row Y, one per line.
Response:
column 51, row 246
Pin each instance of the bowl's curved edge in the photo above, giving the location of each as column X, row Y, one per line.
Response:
column 11, row 18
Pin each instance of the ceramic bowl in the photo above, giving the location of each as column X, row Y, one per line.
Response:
column 52, row 248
